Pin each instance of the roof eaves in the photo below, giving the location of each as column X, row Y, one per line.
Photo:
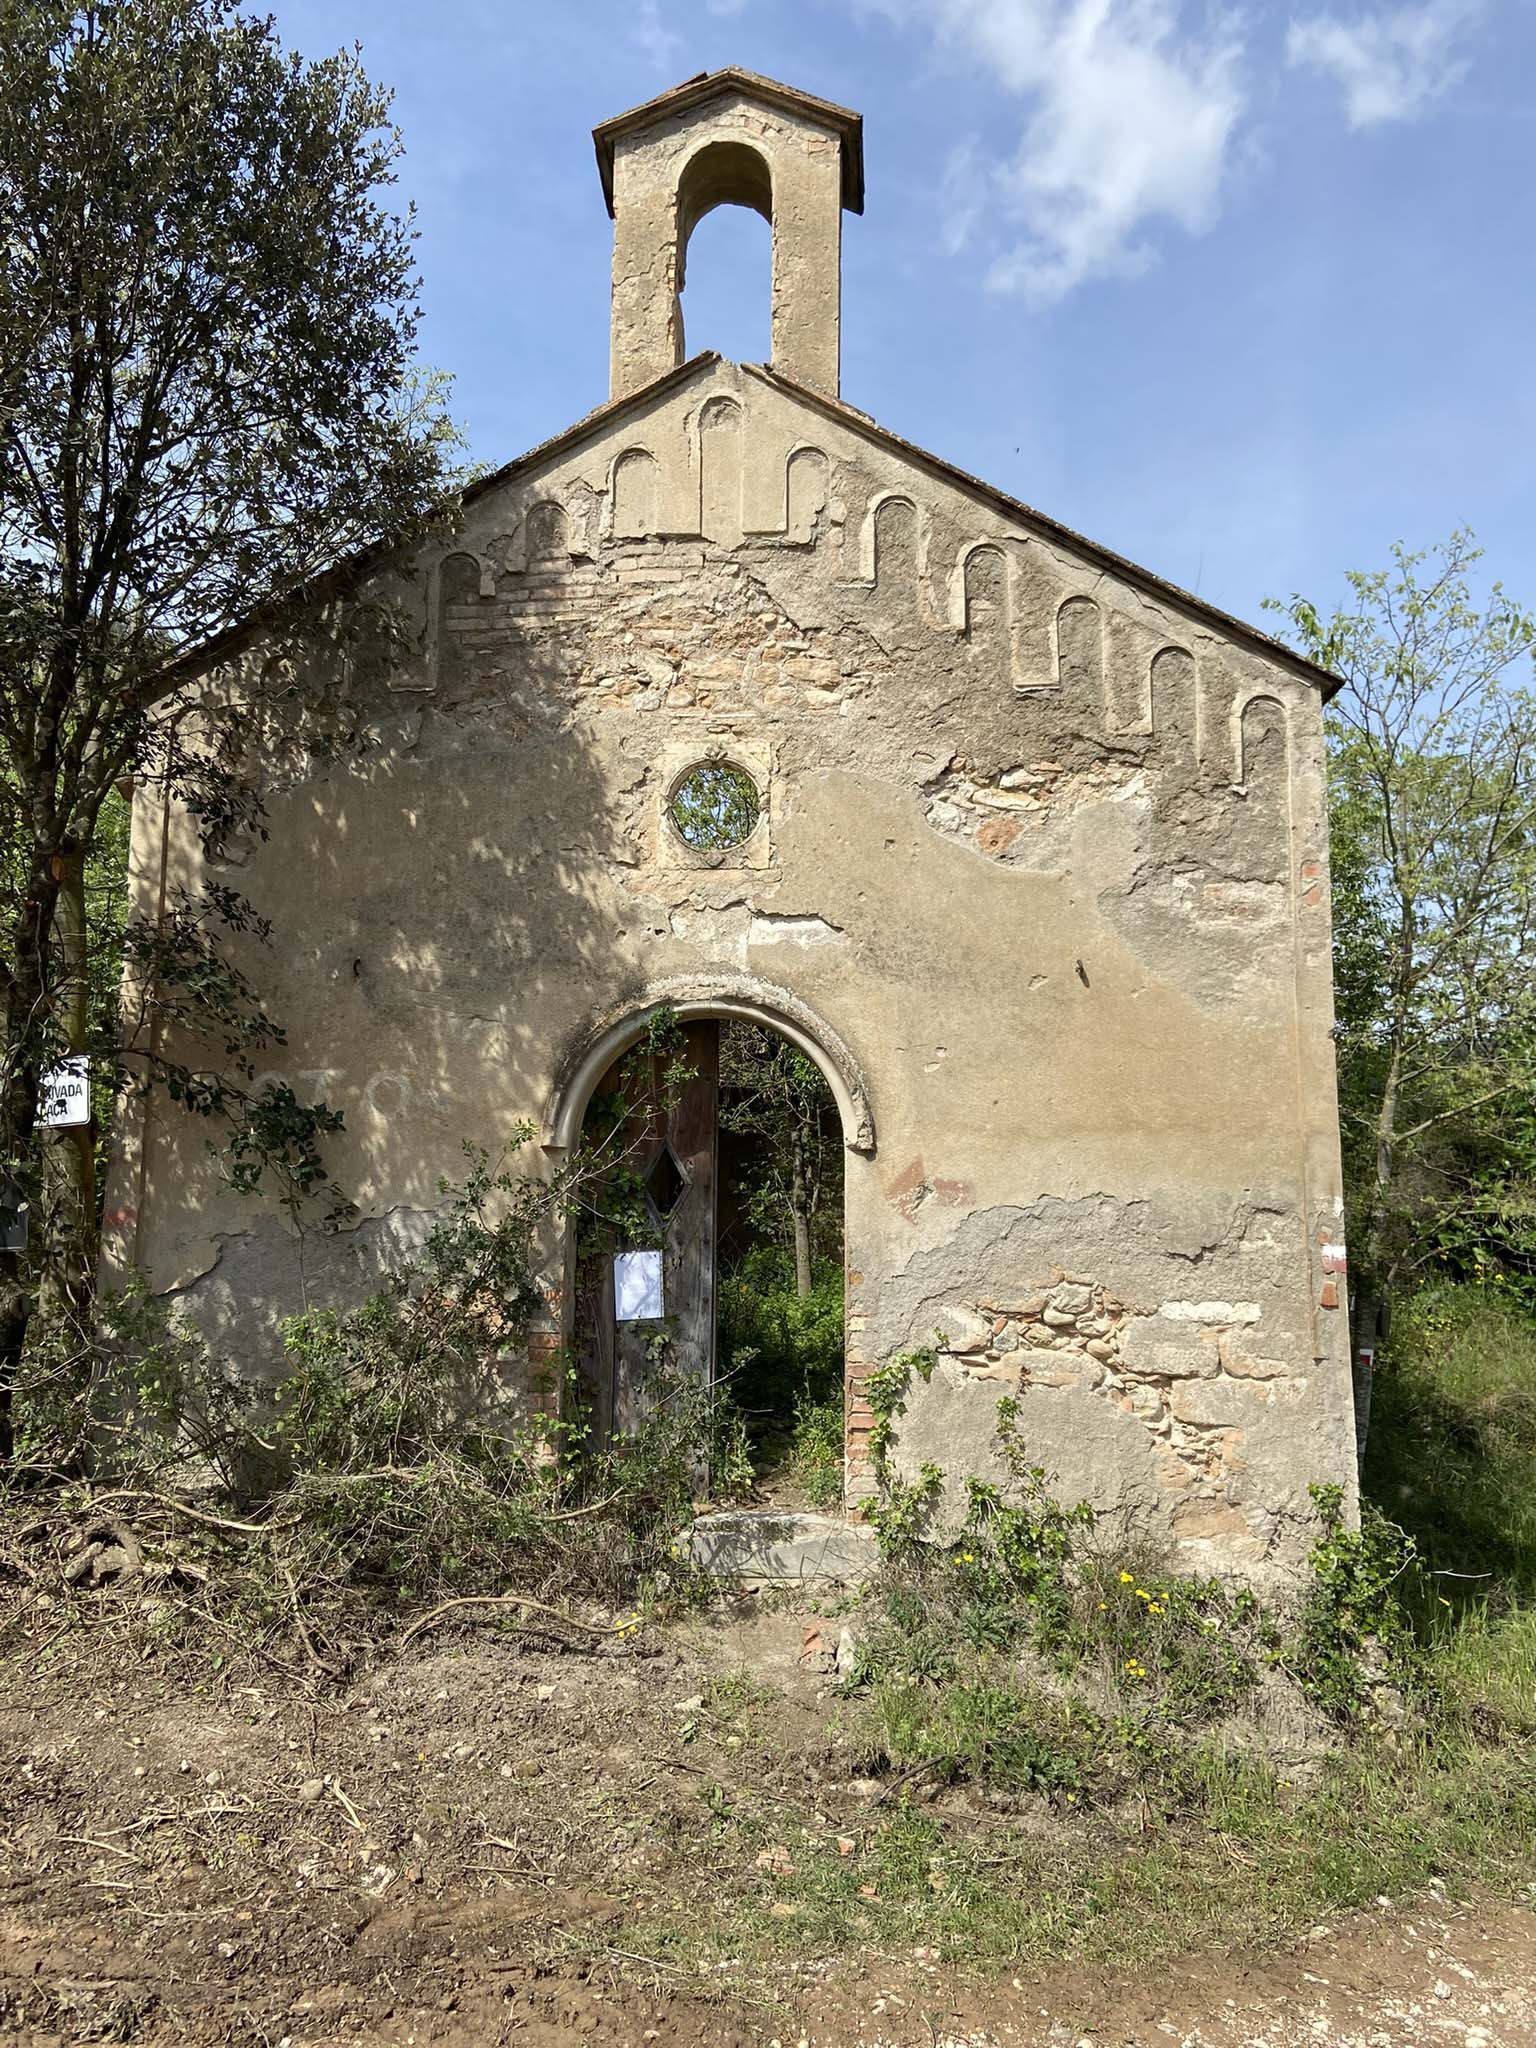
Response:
column 1158, row 586
column 224, row 644
column 345, row 572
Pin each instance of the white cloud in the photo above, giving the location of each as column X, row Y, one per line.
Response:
column 1130, row 122
column 1390, row 64
column 652, row 35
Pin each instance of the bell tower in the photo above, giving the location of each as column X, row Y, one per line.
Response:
column 729, row 138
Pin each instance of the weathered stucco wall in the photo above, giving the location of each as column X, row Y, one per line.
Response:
column 1045, row 853
column 1041, row 868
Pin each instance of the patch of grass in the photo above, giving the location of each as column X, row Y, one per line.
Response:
column 1452, row 1448
column 816, row 1447
column 987, row 1729
column 1485, row 1664
column 1251, row 1861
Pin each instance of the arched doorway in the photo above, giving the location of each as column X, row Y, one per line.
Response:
column 712, row 1125
column 780, row 1245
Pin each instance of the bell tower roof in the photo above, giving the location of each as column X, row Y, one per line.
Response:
column 698, row 91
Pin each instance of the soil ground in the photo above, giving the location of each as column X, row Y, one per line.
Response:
column 481, row 1841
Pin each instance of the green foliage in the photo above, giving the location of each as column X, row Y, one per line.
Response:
column 529, row 1506
column 1452, row 1452
column 780, row 1366
column 409, row 1465
column 1432, row 770
column 886, row 1389
column 1186, row 1651
column 421, row 1364
column 904, row 1507
column 816, row 1448
column 992, row 1731
column 395, row 1459
column 793, row 1342
column 207, row 341
column 715, row 807
column 1018, row 1538
column 138, row 1400
column 904, row 1510
column 1158, row 1652
column 730, row 1464
column 1355, row 1632
column 782, row 1145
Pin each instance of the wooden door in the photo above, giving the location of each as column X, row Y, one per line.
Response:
column 671, row 1141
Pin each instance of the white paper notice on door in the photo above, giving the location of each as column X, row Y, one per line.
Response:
column 637, row 1296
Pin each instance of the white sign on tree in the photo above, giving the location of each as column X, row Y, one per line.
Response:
column 67, row 1093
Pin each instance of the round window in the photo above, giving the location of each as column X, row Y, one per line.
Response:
column 715, row 806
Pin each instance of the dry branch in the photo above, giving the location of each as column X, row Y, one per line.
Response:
column 192, row 1514
column 521, row 1600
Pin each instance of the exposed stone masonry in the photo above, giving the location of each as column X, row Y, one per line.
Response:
column 1181, row 1369
column 996, row 813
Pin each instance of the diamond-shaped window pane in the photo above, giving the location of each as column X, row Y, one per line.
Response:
column 665, row 1182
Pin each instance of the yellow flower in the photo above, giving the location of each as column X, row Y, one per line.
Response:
column 1103, row 1607
column 1127, row 1578
column 966, row 1557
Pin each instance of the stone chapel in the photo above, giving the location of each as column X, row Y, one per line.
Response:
column 1034, row 868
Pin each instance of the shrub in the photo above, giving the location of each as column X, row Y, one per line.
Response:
column 816, row 1448
column 977, row 1652
column 138, row 1399
column 1355, row 1634
column 394, row 1463
column 421, row 1365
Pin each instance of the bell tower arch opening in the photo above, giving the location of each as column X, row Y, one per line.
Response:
column 724, row 238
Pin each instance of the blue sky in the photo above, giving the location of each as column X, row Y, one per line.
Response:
column 1244, row 292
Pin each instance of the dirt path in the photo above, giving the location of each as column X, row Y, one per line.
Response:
column 465, row 1847
column 1417, row 1978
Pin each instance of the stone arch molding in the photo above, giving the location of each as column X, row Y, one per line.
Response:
column 615, row 1029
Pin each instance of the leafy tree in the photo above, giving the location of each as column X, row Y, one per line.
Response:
column 716, row 806
column 1433, row 786
column 775, row 1097
column 208, row 396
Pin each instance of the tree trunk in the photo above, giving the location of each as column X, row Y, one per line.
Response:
column 21, row 1065
column 70, row 1250
column 800, row 1210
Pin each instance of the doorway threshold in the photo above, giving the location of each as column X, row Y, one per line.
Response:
column 770, row 1546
